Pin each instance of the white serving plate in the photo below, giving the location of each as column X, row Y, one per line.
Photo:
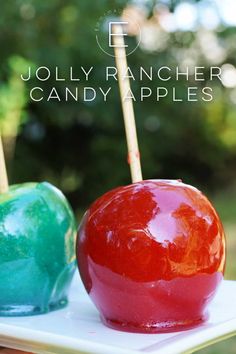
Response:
column 77, row 329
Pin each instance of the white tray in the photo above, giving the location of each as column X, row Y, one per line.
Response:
column 77, row 329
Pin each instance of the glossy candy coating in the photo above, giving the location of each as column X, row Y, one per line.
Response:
column 151, row 256
column 37, row 238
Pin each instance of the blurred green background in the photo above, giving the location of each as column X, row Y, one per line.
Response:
column 80, row 146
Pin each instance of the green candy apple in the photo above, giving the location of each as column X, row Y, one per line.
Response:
column 37, row 249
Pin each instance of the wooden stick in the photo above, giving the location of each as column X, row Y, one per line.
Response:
column 3, row 172
column 127, row 103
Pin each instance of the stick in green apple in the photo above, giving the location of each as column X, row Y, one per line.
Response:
column 3, row 172
column 127, row 103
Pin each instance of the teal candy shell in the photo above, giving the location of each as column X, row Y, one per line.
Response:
column 37, row 249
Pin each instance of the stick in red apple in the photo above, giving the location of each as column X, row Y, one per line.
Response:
column 127, row 104
column 3, row 172
column 151, row 254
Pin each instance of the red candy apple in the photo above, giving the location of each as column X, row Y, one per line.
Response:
column 151, row 256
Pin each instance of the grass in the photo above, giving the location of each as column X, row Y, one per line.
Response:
column 225, row 204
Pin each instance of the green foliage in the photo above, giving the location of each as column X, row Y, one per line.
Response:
column 12, row 97
column 81, row 147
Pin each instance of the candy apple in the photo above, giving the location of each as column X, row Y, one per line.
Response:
column 37, row 262
column 151, row 256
